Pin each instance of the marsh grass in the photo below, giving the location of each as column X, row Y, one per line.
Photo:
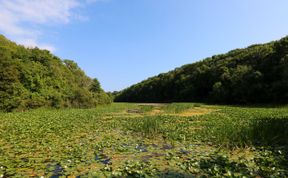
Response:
column 269, row 131
column 237, row 132
column 147, row 126
column 146, row 108
column 177, row 107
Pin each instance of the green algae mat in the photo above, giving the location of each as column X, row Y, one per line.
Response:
column 146, row 140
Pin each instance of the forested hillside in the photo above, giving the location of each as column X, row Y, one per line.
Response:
column 32, row 78
column 257, row 74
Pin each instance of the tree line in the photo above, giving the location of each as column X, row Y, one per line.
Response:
column 33, row 78
column 256, row 74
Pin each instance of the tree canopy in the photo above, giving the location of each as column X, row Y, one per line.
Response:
column 257, row 74
column 33, row 78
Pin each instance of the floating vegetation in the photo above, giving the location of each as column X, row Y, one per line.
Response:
column 110, row 142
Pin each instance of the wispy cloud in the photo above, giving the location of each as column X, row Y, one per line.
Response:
column 22, row 20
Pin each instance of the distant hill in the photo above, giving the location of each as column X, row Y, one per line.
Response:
column 33, row 78
column 257, row 74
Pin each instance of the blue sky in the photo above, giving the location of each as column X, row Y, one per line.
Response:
column 122, row 42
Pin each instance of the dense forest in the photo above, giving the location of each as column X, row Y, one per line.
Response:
column 257, row 74
column 33, row 78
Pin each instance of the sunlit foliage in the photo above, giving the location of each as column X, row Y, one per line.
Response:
column 257, row 74
column 32, row 78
